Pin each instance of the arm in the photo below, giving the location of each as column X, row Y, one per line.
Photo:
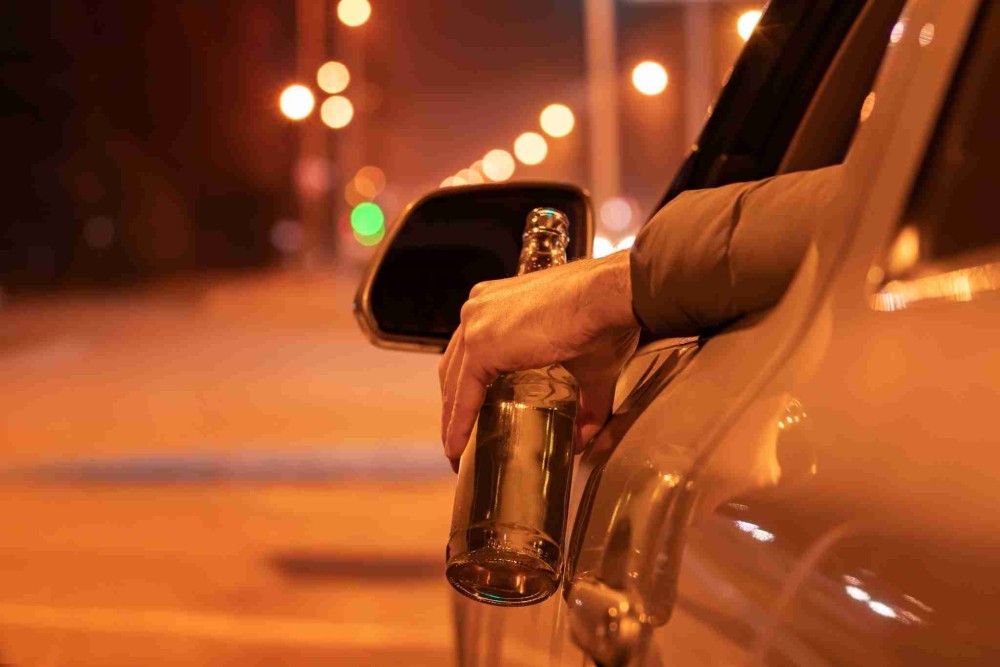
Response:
column 707, row 258
column 712, row 256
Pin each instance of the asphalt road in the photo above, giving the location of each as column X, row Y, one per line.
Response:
column 216, row 472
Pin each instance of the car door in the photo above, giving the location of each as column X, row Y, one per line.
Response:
column 815, row 486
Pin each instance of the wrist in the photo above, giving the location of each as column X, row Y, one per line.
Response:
column 613, row 284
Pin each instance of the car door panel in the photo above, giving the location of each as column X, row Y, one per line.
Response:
column 721, row 451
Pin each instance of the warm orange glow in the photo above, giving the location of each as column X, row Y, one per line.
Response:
column 351, row 194
column 602, row 247
column 498, row 165
column 453, row 181
column 296, row 102
column 353, row 12
column 958, row 285
column 867, row 106
column 470, row 176
column 530, row 148
column 369, row 181
column 926, row 35
column 337, row 112
column 649, row 78
column 333, row 77
column 557, row 120
column 746, row 23
column 905, row 251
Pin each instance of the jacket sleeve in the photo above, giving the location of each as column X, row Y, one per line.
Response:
column 712, row 256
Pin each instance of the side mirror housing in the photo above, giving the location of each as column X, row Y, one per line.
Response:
column 442, row 245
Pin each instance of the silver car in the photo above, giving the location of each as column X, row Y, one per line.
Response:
column 817, row 484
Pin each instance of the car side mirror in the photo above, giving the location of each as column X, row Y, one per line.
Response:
column 442, row 245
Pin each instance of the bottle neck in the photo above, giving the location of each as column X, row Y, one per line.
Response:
column 546, row 235
column 540, row 251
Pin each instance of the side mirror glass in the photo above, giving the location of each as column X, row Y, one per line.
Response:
column 412, row 293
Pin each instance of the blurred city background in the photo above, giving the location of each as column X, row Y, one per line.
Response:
column 199, row 447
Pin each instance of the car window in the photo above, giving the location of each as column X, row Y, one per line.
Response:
column 767, row 93
column 952, row 220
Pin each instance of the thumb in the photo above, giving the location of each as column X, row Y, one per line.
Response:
column 597, row 394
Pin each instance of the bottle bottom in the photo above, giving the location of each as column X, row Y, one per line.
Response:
column 512, row 567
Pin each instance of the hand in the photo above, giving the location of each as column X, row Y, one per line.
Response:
column 579, row 315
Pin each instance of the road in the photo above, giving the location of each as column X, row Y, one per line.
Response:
column 218, row 471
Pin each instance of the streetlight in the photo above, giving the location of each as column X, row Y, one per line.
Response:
column 530, row 148
column 649, row 78
column 557, row 120
column 296, row 102
column 498, row 165
column 353, row 12
column 337, row 112
column 747, row 22
column 333, row 77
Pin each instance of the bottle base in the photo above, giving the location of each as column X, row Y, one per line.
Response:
column 521, row 570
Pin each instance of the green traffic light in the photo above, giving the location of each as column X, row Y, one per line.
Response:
column 367, row 219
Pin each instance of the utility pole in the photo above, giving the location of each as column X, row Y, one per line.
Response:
column 311, row 164
column 602, row 89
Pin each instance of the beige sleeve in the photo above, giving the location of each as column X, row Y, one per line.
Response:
column 712, row 256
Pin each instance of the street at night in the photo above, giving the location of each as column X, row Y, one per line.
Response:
column 611, row 333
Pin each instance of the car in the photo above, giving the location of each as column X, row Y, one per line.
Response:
column 815, row 484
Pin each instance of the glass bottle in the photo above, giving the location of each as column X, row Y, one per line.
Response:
column 509, row 519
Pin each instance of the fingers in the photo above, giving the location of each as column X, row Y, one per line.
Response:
column 596, row 398
column 467, row 399
column 596, row 378
column 449, row 353
column 448, row 370
column 448, row 394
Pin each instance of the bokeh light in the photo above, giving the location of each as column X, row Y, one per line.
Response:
column 333, row 77
column 602, row 247
column 747, row 22
column 626, row 242
column 530, row 148
column 351, row 194
column 897, row 32
column 296, row 102
column 369, row 181
column 336, row 111
column 905, row 250
column 649, row 78
column 926, row 35
column 498, row 165
column 615, row 213
column 557, row 120
column 369, row 240
column 286, row 236
column 470, row 176
column 353, row 12
column 867, row 106
column 367, row 218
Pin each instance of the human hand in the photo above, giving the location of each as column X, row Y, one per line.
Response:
column 578, row 314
